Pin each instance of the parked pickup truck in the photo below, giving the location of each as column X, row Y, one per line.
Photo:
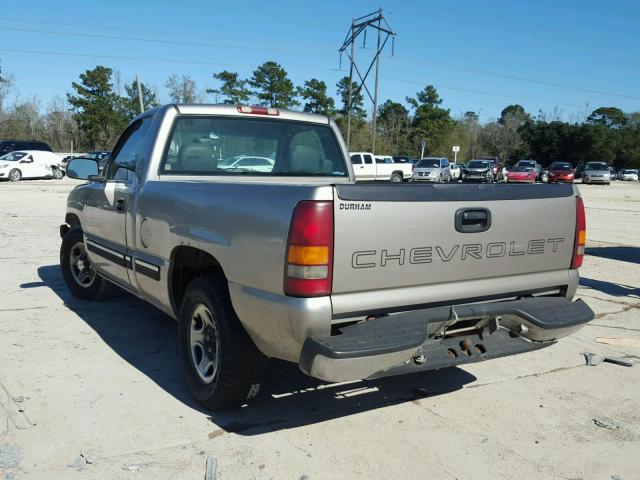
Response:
column 303, row 264
column 367, row 166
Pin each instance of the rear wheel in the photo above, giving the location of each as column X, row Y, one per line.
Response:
column 15, row 175
column 221, row 364
column 78, row 271
column 57, row 173
column 395, row 178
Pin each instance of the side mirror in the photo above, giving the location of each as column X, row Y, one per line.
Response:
column 84, row 169
column 27, row 159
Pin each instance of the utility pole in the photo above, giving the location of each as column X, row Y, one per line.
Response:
column 377, row 21
column 353, row 56
column 140, row 95
column 375, row 94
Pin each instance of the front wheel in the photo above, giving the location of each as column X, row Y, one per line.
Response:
column 77, row 269
column 15, row 175
column 222, row 366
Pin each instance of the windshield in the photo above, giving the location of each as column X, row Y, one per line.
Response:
column 597, row 166
column 527, row 163
column 521, row 169
column 478, row 164
column 216, row 145
column 428, row 163
column 560, row 166
column 13, row 156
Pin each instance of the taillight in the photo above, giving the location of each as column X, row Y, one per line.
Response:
column 309, row 262
column 581, row 235
column 258, row 110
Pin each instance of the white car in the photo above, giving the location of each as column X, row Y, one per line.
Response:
column 456, row 171
column 627, row 174
column 245, row 162
column 367, row 166
column 15, row 166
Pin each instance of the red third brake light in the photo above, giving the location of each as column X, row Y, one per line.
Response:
column 309, row 262
column 581, row 235
column 258, row 110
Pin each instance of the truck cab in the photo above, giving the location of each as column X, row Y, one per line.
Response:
column 367, row 166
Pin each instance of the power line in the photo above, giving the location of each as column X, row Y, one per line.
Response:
column 152, row 60
column 123, row 29
column 512, row 77
column 480, row 92
column 237, row 65
column 409, row 58
column 164, row 42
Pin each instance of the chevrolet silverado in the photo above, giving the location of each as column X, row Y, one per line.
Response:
column 298, row 262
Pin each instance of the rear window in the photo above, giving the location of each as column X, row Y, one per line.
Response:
column 252, row 146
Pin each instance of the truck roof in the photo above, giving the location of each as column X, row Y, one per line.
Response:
column 234, row 110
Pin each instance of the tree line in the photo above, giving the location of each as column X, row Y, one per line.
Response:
column 100, row 105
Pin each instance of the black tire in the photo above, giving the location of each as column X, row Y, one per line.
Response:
column 238, row 372
column 98, row 288
column 57, row 173
column 15, row 175
column 395, row 178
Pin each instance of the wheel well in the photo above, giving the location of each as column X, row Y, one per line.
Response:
column 187, row 264
column 72, row 220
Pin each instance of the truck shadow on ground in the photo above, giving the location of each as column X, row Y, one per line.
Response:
column 624, row 254
column 147, row 339
column 613, row 289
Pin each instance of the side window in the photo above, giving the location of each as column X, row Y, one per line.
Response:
column 126, row 154
column 367, row 159
column 379, row 160
column 356, row 159
column 445, row 163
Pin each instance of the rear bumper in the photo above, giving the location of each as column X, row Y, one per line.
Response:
column 425, row 179
column 520, row 180
column 441, row 337
column 475, row 179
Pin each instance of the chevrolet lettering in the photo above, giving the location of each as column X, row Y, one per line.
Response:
column 464, row 252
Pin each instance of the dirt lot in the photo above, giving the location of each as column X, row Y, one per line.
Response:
column 93, row 390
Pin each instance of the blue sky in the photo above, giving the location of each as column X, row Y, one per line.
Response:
column 471, row 51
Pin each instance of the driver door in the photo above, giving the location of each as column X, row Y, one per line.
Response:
column 29, row 167
column 108, row 204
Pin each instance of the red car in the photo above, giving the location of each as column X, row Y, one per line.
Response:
column 521, row 174
column 561, row 172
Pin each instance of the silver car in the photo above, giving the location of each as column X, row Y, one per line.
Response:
column 478, row 170
column 432, row 169
column 596, row 172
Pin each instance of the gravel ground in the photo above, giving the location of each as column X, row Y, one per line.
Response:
column 93, row 390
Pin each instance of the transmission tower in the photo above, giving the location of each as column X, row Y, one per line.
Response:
column 359, row 27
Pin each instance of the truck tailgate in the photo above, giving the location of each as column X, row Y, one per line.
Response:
column 390, row 236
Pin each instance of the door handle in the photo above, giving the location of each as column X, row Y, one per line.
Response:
column 120, row 205
column 473, row 220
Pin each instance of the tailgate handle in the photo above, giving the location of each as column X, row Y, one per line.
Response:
column 473, row 220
